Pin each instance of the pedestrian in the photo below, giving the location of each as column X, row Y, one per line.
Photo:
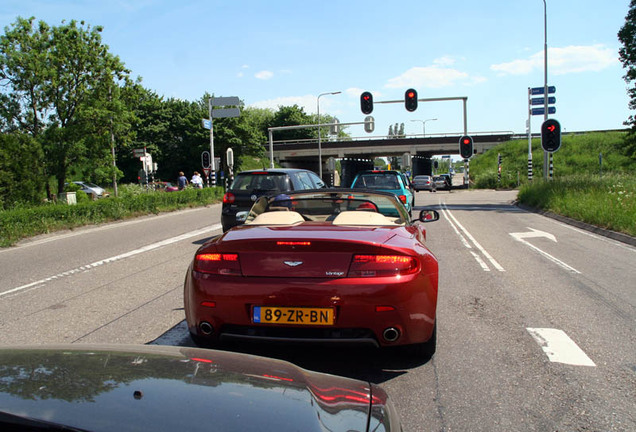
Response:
column 182, row 181
column 197, row 181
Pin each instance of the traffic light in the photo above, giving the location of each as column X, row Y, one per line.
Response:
column 410, row 100
column 466, row 146
column 551, row 135
column 142, row 177
column 366, row 102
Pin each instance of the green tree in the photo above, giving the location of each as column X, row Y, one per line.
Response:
column 627, row 54
column 20, row 170
column 293, row 116
column 55, row 81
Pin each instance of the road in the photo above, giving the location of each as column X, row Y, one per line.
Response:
column 536, row 319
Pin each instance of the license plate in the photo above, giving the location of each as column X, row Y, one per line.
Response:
column 293, row 315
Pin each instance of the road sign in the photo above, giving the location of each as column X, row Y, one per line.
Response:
column 541, row 100
column 139, row 152
column 207, row 124
column 225, row 101
column 206, row 172
column 205, row 159
column 541, row 90
column 541, row 111
column 226, row 113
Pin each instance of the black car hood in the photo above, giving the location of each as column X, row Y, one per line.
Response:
column 160, row 388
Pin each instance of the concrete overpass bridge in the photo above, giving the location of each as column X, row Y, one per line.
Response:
column 358, row 153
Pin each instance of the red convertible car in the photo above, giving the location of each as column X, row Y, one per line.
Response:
column 329, row 265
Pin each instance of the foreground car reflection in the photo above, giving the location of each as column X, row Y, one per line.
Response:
column 161, row 388
column 329, row 266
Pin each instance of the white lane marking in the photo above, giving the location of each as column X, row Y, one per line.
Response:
column 536, row 233
column 485, row 253
column 125, row 255
column 559, row 347
column 599, row 237
column 481, row 262
column 461, row 237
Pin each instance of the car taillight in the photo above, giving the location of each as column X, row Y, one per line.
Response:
column 228, row 198
column 382, row 265
column 218, row 263
column 403, row 198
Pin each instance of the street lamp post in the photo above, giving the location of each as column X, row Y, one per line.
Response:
column 319, row 134
column 424, row 125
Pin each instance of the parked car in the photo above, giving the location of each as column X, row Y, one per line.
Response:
column 387, row 181
column 424, row 182
column 448, row 180
column 440, row 182
column 124, row 388
column 248, row 186
column 329, row 266
column 91, row 189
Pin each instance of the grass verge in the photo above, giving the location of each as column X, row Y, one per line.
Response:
column 605, row 201
column 20, row 223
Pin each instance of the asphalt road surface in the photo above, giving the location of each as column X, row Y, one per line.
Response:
column 536, row 319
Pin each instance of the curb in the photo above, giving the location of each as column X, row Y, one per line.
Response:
column 621, row 237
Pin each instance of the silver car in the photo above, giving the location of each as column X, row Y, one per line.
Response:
column 424, row 182
column 91, row 189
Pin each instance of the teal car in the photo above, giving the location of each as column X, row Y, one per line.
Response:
column 386, row 181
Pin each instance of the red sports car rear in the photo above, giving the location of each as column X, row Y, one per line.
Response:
column 316, row 280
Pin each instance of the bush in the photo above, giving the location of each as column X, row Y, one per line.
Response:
column 19, row 223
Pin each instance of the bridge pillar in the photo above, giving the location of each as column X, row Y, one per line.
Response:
column 350, row 167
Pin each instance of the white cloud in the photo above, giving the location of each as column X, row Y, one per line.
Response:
column 433, row 77
column 561, row 61
column 264, row 75
column 309, row 103
column 444, row 61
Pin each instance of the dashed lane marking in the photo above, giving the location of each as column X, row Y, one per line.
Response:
column 559, row 348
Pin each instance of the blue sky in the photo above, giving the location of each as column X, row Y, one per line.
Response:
column 271, row 53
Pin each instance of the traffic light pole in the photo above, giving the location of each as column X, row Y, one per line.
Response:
column 464, row 99
column 545, row 80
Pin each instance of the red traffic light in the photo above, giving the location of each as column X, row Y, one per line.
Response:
column 551, row 135
column 466, row 147
column 366, row 102
column 410, row 100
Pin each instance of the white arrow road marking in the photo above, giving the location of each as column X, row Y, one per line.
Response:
column 86, row 267
column 559, row 347
column 533, row 233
